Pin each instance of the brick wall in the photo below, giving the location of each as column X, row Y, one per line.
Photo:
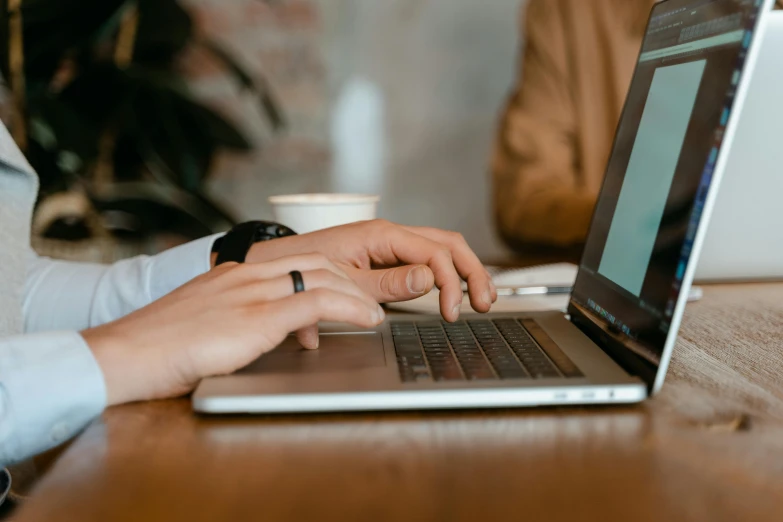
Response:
column 397, row 97
column 283, row 41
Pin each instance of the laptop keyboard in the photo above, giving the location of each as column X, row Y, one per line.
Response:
column 479, row 349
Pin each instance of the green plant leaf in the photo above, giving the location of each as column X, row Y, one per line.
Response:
column 72, row 132
column 260, row 87
column 209, row 123
column 165, row 29
column 228, row 61
column 54, row 28
column 170, row 141
column 159, row 127
column 99, row 92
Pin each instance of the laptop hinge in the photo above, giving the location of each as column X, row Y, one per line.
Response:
column 614, row 346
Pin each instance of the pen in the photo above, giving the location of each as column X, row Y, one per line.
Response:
column 534, row 290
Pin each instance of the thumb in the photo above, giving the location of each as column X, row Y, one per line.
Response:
column 395, row 284
column 308, row 337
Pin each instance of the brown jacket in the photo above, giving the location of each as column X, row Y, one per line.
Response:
column 557, row 129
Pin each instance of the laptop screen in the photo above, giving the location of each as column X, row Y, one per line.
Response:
column 664, row 155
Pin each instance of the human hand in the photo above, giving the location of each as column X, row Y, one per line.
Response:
column 395, row 263
column 220, row 322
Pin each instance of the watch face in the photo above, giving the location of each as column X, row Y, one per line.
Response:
column 270, row 230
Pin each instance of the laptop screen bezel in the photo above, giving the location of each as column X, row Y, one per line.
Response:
column 601, row 332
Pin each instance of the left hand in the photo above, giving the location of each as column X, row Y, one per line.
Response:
column 220, row 322
column 395, row 263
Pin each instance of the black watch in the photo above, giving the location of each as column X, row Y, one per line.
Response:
column 235, row 245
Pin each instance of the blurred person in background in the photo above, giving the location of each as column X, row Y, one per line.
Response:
column 556, row 131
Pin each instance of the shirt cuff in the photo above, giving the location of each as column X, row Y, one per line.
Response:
column 173, row 268
column 51, row 387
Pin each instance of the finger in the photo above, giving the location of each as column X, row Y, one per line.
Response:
column 395, row 284
column 241, row 274
column 403, row 246
column 307, row 308
column 308, row 337
column 263, row 326
column 468, row 265
column 283, row 286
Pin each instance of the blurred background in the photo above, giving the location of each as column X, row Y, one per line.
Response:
column 169, row 119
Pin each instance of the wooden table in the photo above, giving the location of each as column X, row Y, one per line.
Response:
column 709, row 447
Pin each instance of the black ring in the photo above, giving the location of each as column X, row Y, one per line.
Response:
column 296, row 277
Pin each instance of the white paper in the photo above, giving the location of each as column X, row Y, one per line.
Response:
column 560, row 274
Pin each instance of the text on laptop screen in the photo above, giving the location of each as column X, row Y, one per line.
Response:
column 665, row 150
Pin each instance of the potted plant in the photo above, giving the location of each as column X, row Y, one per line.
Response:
column 104, row 115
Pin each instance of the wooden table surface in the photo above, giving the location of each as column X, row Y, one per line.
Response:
column 708, row 447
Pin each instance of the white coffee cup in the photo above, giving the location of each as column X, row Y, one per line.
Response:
column 310, row 212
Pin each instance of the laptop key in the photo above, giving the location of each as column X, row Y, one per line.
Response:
column 512, row 373
column 481, row 376
column 453, row 375
column 480, row 349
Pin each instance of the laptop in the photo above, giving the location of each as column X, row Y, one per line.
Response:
column 742, row 241
column 614, row 342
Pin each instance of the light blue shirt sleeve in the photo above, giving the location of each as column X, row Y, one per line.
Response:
column 51, row 386
column 61, row 295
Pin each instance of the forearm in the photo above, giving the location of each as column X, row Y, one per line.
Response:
column 63, row 295
column 540, row 194
column 542, row 213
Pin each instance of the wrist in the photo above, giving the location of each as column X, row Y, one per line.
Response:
column 271, row 250
column 115, row 358
column 236, row 244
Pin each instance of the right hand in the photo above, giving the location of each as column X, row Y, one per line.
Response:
column 395, row 263
column 220, row 322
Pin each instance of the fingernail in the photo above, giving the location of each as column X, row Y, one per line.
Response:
column 456, row 310
column 417, row 280
column 487, row 298
column 379, row 315
column 317, row 341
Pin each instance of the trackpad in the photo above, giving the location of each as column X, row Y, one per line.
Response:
column 337, row 353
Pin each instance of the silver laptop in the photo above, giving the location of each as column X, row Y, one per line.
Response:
column 614, row 343
column 743, row 241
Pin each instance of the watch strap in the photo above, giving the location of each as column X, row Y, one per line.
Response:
column 235, row 245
